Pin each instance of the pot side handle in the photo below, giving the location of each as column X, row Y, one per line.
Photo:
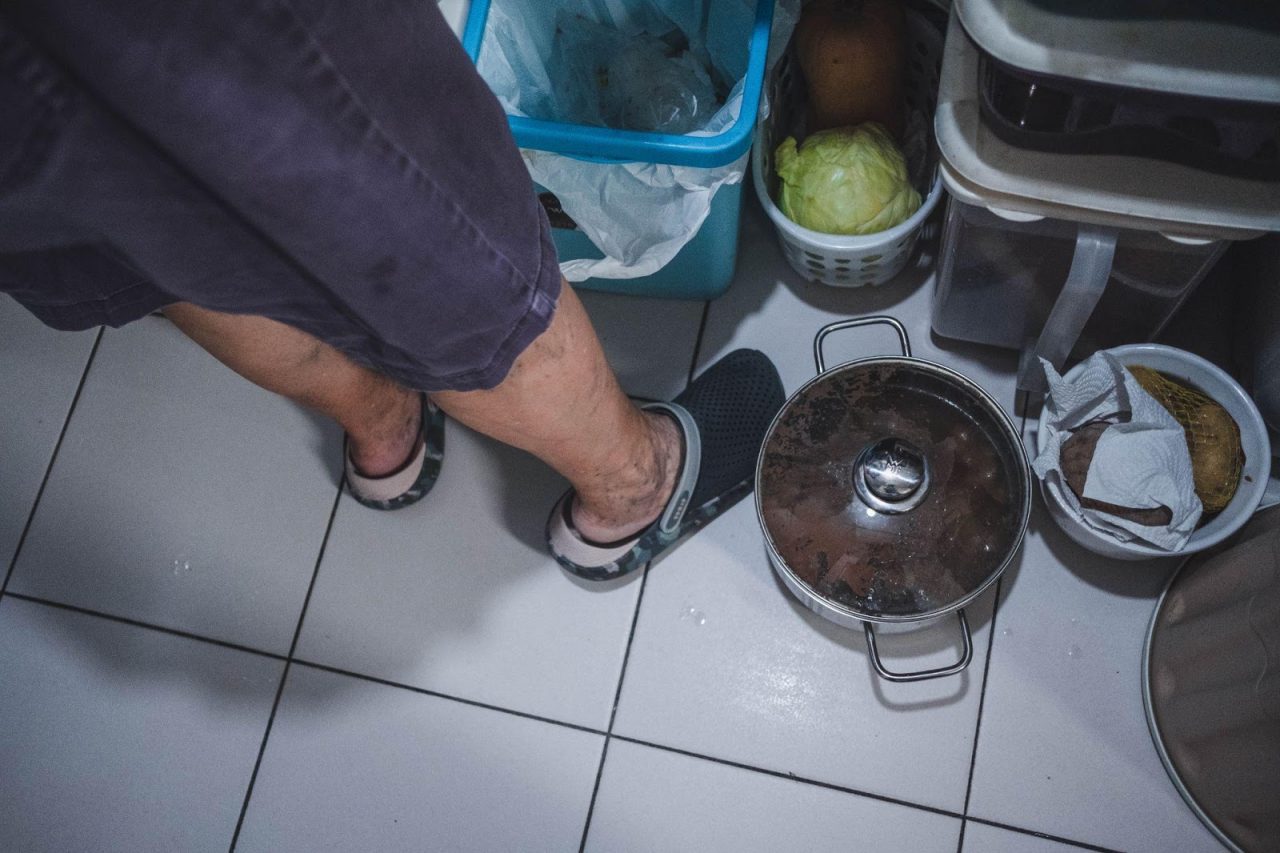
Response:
column 923, row 675
column 849, row 324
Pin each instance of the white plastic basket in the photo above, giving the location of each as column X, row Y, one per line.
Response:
column 829, row 258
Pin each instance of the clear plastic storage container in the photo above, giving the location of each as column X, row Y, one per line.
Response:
column 1061, row 249
column 998, row 280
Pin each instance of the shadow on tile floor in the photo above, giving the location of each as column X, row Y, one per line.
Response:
column 328, row 444
column 770, row 270
column 140, row 657
column 1126, row 579
column 457, row 594
column 529, row 490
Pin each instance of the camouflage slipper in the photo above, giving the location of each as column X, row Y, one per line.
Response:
column 411, row 481
column 723, row 417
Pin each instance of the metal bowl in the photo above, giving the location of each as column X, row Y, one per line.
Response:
column 1216, row 384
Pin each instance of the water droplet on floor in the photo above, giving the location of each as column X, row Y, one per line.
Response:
column 181, row 566
column 1006, row 633
column 1073, row 652
column 1075, row 621
column 694, row 615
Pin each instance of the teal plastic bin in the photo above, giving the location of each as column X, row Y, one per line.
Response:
column 704, row 268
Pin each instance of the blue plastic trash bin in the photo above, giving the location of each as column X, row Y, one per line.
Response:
column 704, row 268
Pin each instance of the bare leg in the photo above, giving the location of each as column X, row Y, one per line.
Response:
column 381, row 418
column 560, row 402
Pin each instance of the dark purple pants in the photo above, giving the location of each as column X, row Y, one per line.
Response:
column 337, row 166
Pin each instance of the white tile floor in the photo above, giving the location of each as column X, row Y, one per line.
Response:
column 204, row 646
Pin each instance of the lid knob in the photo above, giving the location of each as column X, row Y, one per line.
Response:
column 891, row 475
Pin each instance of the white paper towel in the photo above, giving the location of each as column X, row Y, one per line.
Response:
column 1142, row 462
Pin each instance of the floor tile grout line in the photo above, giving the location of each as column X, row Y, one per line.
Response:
column 986, row 670
column 135, row 623
column 792, row 777
column 595, row 789
column 315, row 573
column 986, row 666
column 1083, row 845
column 187, row 635
column 284, row 674
column 860, row 793
column 635, row 617
column 626, row 653
column 982, row 701
column 423, row 691
column 688, row 753
column 257, row 763
column 53, row 457
column 613, row 713
column 536, row 718
column 697, row 341
column 608, row 734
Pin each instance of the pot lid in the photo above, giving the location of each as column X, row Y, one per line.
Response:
column 894, row 488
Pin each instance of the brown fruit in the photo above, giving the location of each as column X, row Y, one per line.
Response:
column 853, row 57
column 1077, row 454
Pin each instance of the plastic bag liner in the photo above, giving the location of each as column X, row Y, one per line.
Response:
column 638, row 214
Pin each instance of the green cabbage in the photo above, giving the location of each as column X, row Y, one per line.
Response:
column 849, row 180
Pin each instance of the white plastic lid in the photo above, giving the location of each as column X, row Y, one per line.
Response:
column 1127, row 192
column 1230, row 50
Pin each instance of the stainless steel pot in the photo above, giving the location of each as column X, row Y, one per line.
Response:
column 891, row 489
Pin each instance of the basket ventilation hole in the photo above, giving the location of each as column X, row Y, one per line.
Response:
column 871, row 259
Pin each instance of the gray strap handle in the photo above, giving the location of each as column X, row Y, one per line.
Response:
column 1086, row 280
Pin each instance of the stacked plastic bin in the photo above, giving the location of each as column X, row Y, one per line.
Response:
column 1097, row 161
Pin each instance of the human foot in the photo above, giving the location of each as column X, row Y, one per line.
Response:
column 386, row 442
column 637, row 495
column 722, row 418
column 403, row 465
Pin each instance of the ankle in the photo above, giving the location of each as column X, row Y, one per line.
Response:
column 382, row 443
column 638, row 492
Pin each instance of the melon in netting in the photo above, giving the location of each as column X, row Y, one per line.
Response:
column 1213, row 436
